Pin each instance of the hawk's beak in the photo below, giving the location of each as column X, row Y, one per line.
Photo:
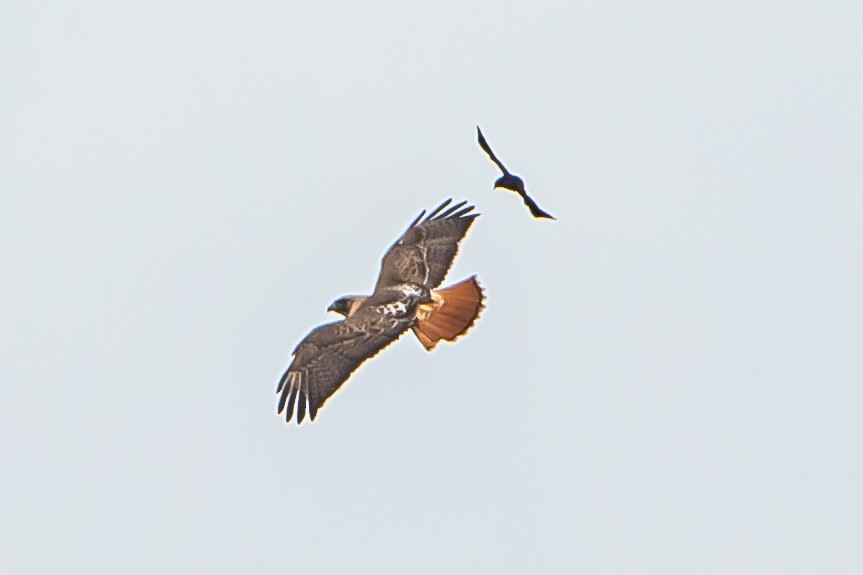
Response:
column 340, row 306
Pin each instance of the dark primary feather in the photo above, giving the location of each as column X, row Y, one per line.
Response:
column 425, row 252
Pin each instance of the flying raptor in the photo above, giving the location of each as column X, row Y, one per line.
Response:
column 510, row 181
column 405, row 297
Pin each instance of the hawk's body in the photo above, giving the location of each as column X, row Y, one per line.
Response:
column 404, row 298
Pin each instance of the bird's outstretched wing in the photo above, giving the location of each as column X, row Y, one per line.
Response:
column 330, row 353
column 487, row 149
column 425, row 252
column 535, row 210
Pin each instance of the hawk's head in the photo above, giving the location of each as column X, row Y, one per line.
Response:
column 347, row 305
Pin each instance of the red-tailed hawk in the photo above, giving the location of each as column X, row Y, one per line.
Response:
column 511, row 182
column 404, row 298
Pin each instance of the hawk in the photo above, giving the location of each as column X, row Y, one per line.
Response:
column 510, row 181
column 405, row 297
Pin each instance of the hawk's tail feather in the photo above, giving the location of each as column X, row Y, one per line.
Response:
column 458, row 309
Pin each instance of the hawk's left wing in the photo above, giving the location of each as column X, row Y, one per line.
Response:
column 425, row 252
column 327, row 357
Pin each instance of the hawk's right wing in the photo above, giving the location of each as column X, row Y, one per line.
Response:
column 425, row 252
column 327, row 357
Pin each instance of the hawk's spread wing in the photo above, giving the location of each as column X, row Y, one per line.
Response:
column 425, row 252
column 325, row 359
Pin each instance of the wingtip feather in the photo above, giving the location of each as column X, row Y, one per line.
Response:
column 438, row 209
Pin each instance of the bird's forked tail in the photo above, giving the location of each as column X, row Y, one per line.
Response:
column 452, row 314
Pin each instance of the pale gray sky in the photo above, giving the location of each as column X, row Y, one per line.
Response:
column 666, row 380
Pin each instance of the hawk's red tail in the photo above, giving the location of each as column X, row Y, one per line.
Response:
column 454, row 312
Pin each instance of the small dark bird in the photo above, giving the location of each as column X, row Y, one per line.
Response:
column 510, row 181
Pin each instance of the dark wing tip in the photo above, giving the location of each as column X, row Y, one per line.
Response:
column 288, row 397
column 293, row 397
column 417, row 219
column 450, row 210
column 466, row 215
column 291, row 402
column 535, row 210
column 487, row 149
column 438, row 209
column 455, row 211
column 480, row 138
column 301, row 408
column 281, row 385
